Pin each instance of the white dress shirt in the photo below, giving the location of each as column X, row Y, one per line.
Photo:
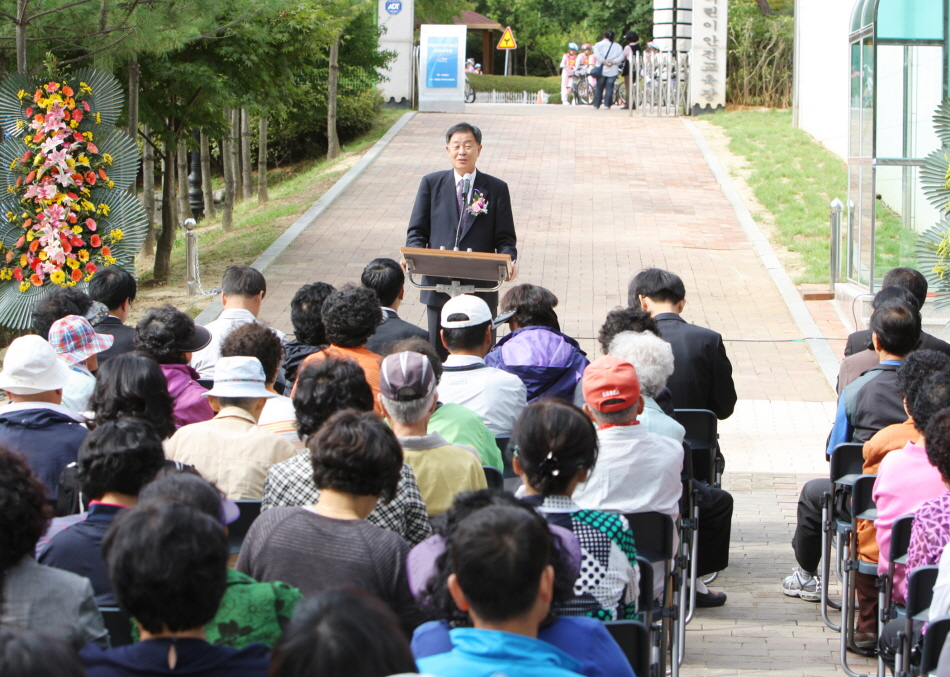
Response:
column 655, row 420
column 609, row 51
column 495, row 395
column 203, row 360
column 471, row 185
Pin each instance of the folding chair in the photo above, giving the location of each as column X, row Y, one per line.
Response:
column 645, row 596
column 702, row 433
column 900, row 542
column 118, row 624
column 933, row 644
column 920, row 592
column 653, row 535
column 494, row 477
column 634, row 640
column 238, row 529
column 862, row 507
column 689, row 546
column 847, row 461
column 502, row 444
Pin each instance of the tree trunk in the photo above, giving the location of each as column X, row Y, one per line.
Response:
column 163, row 250
column 236, row 154
column 247, row 175
column 333, row 141
column 227, row 154
column 765, row 7
column 21, row 7
column 262, row 161
column 148, row 193
column 134, row 111
column 206, row 187
column 184, row 206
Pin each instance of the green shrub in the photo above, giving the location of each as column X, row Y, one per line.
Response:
column 515, row 83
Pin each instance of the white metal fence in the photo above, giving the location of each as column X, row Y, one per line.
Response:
column 659, row 84
column 511, row 97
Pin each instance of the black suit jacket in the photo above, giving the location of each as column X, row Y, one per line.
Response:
column 123, row 337
column 702, row 373
column 859, row 341
column 435, row 219
column 393, row 329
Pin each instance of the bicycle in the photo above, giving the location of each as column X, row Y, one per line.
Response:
column 469, row 92
column 582, row 89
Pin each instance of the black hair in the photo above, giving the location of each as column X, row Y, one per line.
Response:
column 111, row 286
column 25, row 653
column 937, row 442
column 326, row 387
column 253, row 339
column 932, row 396
column 465, row 128
column 132, row 384
column 342, row 632
column 533, row 305
column 625, row 319
column 121, row 456
column 350, row 316
column 188, row 488
column 163, row 332
column 385, row 277
column 306, row 313
column 909, row 279
column 56, row 305
column 657, row 284
column 631, row 36
column 894, row 293
column 609, row 34
column 498, row 555
column 914, row 370
column 243, row 281
column 168, row 564
column 553, row 441
column 464, row 338
column 356, row 453
column 417, row 344
column 24, row 511
column 897, row 326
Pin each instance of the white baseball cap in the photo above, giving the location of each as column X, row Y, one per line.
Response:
column 31, row 366
column 239, row 377
column 466, row 304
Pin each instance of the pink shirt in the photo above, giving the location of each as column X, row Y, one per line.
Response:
column 905, row 479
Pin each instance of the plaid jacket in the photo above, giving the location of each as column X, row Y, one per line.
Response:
column 290, row 484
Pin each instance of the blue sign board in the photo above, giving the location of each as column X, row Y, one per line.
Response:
column 394, row 6
column 443, row 62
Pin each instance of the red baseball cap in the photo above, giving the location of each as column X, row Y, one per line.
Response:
column 610, row 384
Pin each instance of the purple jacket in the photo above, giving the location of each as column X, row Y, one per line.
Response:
column 548, row 362
column 190, row 406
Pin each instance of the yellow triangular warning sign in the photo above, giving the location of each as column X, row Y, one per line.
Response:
column 507, row 40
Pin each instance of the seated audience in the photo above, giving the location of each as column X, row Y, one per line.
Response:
column 408, row 395
column 309, row 334
column 584, row 639
column 114, row 287
column 29, row 653
column 242, row 291
column 325, row 388
column 168, row 565
column 254, row 339
column 636, row 320
column 36, row 424
column 555, row 450
column 116, row 460
column 350, row 316
column 549, row 363
column 386, row 278
column 356, row 460
column 503, row 579
column 342, row 633
column 61, row 302
column 457, row 424
column 495, row 395
column 249, row 611
column 230, row 450
column 702, row 374
column 170, row 336
column 56, row 603
column 78, row 344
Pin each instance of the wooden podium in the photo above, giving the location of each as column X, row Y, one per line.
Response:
column 457, row 266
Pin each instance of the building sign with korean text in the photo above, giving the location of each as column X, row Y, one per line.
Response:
column 707, row 79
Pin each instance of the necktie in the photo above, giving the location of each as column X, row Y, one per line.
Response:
column 461, row 197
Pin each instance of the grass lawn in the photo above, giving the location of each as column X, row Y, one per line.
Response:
column 796, row 178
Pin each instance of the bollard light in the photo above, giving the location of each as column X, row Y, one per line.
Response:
column 191, row 256
column 836, row 207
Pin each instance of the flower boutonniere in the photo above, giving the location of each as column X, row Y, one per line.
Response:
column 478, row 205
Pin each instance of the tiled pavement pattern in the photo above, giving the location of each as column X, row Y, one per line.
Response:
column 596, row 197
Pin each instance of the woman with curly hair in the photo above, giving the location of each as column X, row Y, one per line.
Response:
column 170, row 336
column 133, row 385
column 36, row 597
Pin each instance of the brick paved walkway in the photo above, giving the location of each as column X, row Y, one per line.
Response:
column 596, row 197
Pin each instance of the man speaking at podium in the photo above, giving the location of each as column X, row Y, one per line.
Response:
column 463, row 209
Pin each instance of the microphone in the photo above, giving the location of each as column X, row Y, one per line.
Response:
column 466, row 187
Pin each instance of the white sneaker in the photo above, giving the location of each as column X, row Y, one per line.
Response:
column 803, row 585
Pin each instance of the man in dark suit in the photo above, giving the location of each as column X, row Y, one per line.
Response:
column 444, row 217
column 115, row 288
column 702, row 373
column 385, row 277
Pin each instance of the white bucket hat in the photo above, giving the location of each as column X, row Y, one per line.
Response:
column 239, row 377
column 31, row 366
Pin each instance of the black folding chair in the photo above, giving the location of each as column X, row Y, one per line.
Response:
column 920, row 592
column 900, row 542
column 862, row 507
column 645, row 596
column 702, row 433
column 934, row 640
column 502, row 444
column 238, row 529
column 494, row 477
column 634, row 640
column 118, row 624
